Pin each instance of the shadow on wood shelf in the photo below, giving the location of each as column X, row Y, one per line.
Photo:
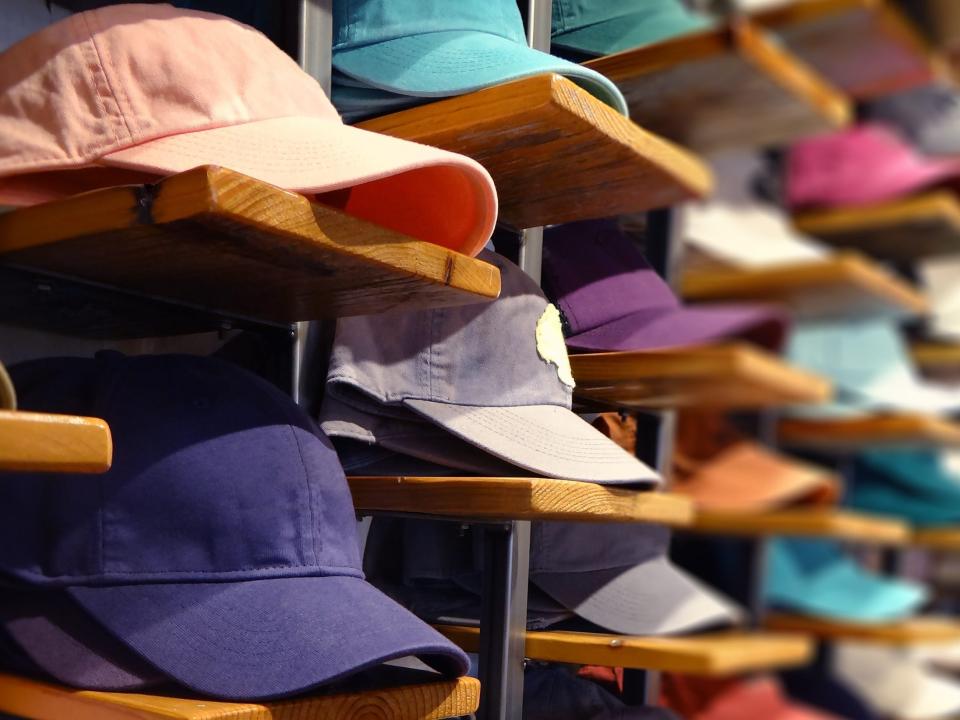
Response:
column 735, row 376
column 519, row 498
column 222, row 242
column 889, row 54
column 402, row 695
column 556, row 153
column 720, row 653
column 40, row 442
column 900, row 230
column 847, row 285
column 731, row 87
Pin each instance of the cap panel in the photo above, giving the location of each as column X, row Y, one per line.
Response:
column 357, row 23
column 570, row 547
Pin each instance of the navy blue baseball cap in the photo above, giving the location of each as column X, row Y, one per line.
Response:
column 221, row 547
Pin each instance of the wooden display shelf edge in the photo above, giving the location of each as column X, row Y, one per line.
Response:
column 215, row 239
column 556, row 153
column 41, row 442
column 504, row 498
column 945, row 538
column 808, row 522
column 417, row 701
column 904, row 632
column 930, row 356
column 793, row 100
column 802, row 285
column 722, row 653
column 748, row 376
column 851, row 433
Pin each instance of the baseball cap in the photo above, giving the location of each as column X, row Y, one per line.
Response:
column 815, row 577
column 221, row 547
column 929, row 115
column 159, row 90
column 914, row 484
column 896, row 684
column 495, row 375
column 554, row 692
column 735, row 228
column 439, row 48
column 817, row 685
column 870, row 367
column 610, row 297
column 865, row 164
column 707, row 698
column 8, row 396
column 598, row 27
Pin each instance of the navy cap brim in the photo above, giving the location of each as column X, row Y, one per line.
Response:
column 266, row 638
column 454, row 62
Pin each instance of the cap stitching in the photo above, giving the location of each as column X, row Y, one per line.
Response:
column 310, row 499
column 126, row 108
column 86, row 51
column 106, row 80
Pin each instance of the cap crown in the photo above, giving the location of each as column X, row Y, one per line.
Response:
column 110, row 78
column 576, row 14
column 217, row 476
column 482, row 355
column 596, row 274
column 363, row 22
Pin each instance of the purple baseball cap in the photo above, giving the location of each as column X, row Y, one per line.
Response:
column 611, row 299
column 220, row 547
column 495, row 375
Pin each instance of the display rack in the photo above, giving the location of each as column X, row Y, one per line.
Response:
column 556, row 153
column 41, row 442
column 804, row 522
column 889, row 54
column 901, row 230
column 847, row 284
column 693, row 89
column 847, row 435
column 914, row 631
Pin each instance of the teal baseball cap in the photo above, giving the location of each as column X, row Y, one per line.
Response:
column 601, row 27
column 917, row 485
column 870, row 366
column 439, row 48
column 815, row 577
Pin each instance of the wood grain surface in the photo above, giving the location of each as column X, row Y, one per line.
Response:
column 729, row 87
column 847, row 435
column 903, row 632
column 805, row 522
column 41, row 442
column 556, row 153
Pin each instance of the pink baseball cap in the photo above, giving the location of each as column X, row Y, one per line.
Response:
column 862, row 165
column 131, row 92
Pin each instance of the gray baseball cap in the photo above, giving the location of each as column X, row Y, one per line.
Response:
column 495, row 375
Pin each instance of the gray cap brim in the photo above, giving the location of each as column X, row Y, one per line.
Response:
column 652, row 598
column 545, row 439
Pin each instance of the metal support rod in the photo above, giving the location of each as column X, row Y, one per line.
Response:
column 503, row 619
column 664, row 246
column 539, row 24
column 757, row 556
column 893, row 561
column 531, row 252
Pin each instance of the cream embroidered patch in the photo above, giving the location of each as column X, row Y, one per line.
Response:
column 551, row 345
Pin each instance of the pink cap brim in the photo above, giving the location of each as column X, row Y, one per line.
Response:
column 420, row 191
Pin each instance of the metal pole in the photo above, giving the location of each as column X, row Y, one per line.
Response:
column 314, row 53
column 503, row 620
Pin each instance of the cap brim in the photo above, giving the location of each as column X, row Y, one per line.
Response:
column 455, row 62
column 548, row 440
column 8, row 396
column 265, row 638
column 418, row 190
column 686, row 326
column 652, row 598
column 62, row 640
column 631, row 30
column 748, row 478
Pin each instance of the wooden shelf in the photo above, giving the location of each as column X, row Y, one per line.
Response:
column 516, row 499
column 889, row 53
column 694, row 89
column 40, row 442
column 901, row 230
column 904, row 632
column 728, row 376
column 807, row 522
column 408, row 697
column 556, row 153
column 853, row 434
column 217, row 240
column 941, row 538
column 936, row 358
column 723, row 653
column 843, row 286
